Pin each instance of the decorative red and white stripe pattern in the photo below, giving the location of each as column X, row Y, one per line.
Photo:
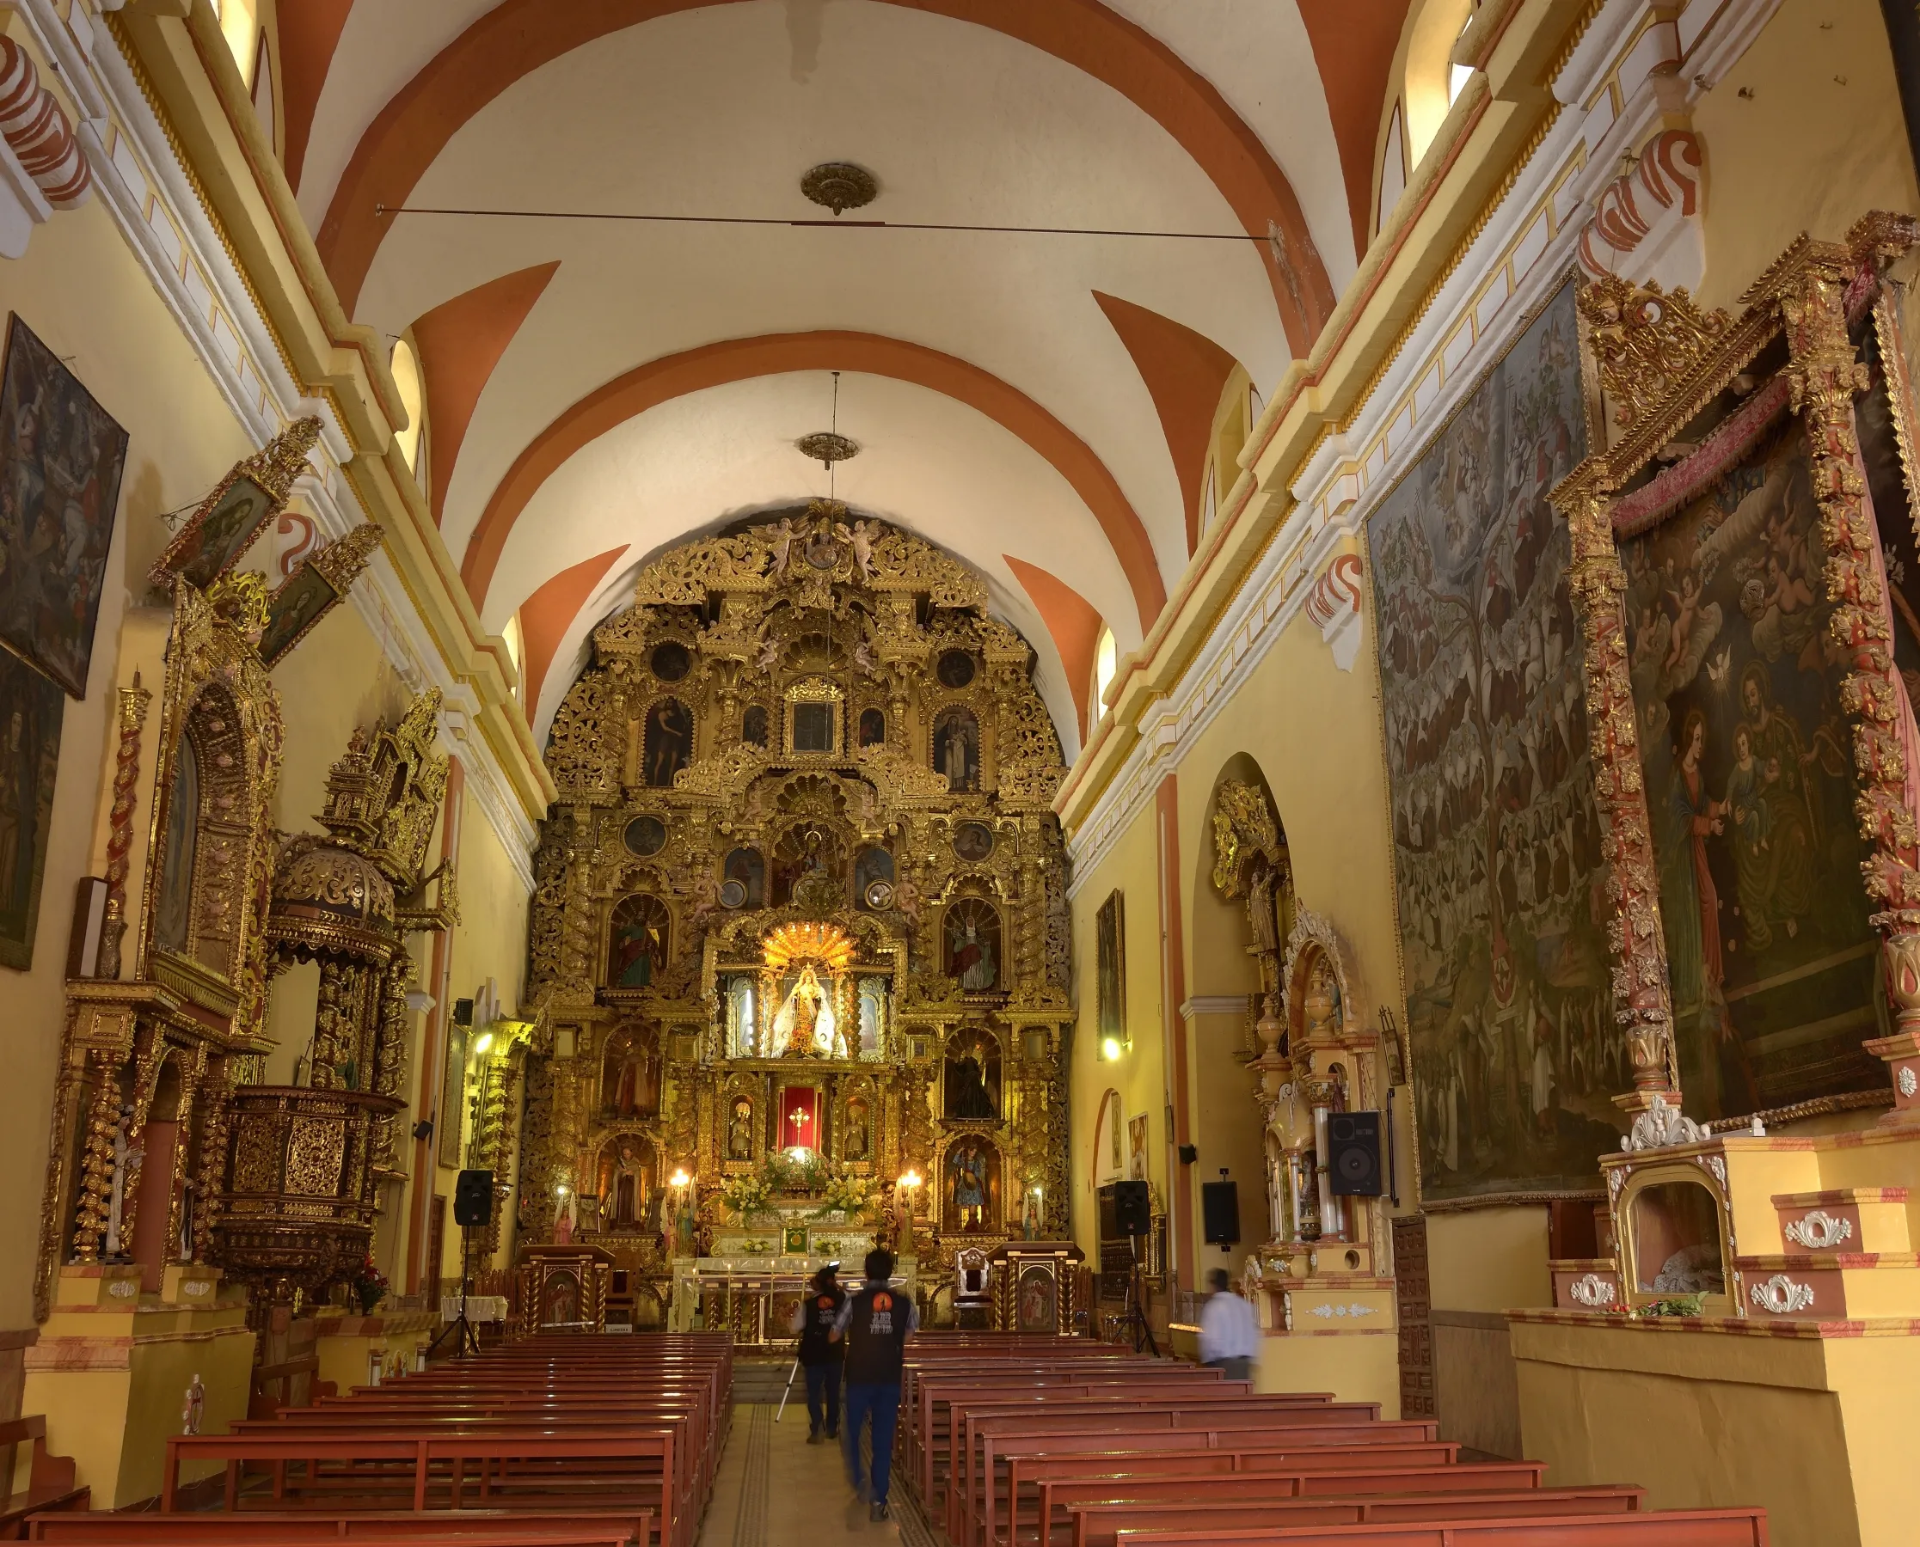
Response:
column 1668, row 174
column 36, row 128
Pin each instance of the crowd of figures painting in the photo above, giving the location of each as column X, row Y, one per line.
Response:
column 1747, row 764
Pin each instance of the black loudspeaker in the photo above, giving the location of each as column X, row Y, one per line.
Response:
column 1353, row 1154
column 1220, row 1212
column 423, row 1129
column 1132, row 1211
column 463, row 1012
column 473, row 1198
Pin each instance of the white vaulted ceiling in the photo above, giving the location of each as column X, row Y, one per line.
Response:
column 1000, row 411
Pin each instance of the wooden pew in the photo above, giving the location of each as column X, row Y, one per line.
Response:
column 1648, row 1528
column 1223, row 1508
column 50, row 1478
column 466, row 1527
column 976, row 1515
column 1061, row 1489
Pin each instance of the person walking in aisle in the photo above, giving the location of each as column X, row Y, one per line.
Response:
column 820, row 1354
column 875, row 1324
column 1229, row 1336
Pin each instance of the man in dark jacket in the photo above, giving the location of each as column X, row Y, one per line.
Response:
column 820, row 1355
column 875, row 1323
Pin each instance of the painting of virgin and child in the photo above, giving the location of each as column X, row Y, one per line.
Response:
column 1748, row 763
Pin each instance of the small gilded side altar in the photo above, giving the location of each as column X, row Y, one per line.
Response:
column 799, row 934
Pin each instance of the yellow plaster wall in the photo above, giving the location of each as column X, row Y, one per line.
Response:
column 1818, row 143
column 82, row 293
column 1131, row 866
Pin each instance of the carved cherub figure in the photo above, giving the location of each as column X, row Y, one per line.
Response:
column 858, row 537
column 780, row 544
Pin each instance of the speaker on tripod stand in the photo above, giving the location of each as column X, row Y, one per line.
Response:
column 1133, row 1217
column 472, row 1210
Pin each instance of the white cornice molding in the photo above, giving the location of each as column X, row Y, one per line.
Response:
column 165, row 226
column 1626, row 74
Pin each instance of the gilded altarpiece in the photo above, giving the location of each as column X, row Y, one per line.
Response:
column 799, row 935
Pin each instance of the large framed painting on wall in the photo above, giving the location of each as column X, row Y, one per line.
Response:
column 1748, row 759
column 31, row 708
column 1110, row 969
column 61, row 457
column 1496, row 841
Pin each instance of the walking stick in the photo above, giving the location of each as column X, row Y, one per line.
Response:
column 788, row 1392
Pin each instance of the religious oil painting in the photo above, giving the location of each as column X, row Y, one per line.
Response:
column 302, row 599
column 744, row 884
column 956, row 749
column 1110, row 969
column 1137, row 1147
column 1496, row 838
column 637, row 942
column 873, row 727
column 1036, row 1299
column 754, row 727
column 217, row 536
column 973, row 944
column 61, row 458
column 1749, row 777
column 31, row 709
column 669, row 741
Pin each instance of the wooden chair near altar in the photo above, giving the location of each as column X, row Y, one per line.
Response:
column 565, row 1288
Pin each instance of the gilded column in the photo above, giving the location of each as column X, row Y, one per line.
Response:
column 96, row 1173
column 1825, row 374
column 133, row 703
column 1642, row 1002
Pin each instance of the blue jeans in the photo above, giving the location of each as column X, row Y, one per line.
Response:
column 823, row 1397
column 883, row 1403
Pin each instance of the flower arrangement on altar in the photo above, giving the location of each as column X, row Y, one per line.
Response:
column 858, row 1197
column 748, row 1193
column 796, row 1171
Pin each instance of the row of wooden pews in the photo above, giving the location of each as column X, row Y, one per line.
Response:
column 556, row 1441
column 1040, row 1442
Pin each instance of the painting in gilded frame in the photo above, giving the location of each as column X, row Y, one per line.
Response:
column 1110, row 969
column 30, row 717
column 1748, row 763
column 61, row 457
column 1496, row 839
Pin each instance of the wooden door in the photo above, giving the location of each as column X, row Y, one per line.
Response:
column 1413, row 1301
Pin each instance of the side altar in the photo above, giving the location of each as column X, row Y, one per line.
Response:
column 799, row 936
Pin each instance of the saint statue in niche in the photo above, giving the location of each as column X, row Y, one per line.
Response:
column 624, row 1194
column 956, row 749
column 873, row 1017
column 669, row 741
column 855, row 1144
column 753, row 725
column 973, row 1077
column 967, row 1185
column 973, row 945
column 637, row 944
column 631, row 1080
column 805, row 1003
column 740, row 1130
column 873, row 728
column 746, row 1032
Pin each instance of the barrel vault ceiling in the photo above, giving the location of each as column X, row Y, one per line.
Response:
column 597, row 390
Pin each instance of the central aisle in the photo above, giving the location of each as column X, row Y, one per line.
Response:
column 776, row 1490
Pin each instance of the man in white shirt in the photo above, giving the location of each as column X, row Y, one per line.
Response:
column 1229, row 1335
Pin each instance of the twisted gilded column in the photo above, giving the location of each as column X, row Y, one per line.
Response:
column 1642, row 1002
column 96, row 1167
column 133, row 704
column 1825, row 374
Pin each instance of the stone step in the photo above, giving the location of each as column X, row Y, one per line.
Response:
column 1846, row 1219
